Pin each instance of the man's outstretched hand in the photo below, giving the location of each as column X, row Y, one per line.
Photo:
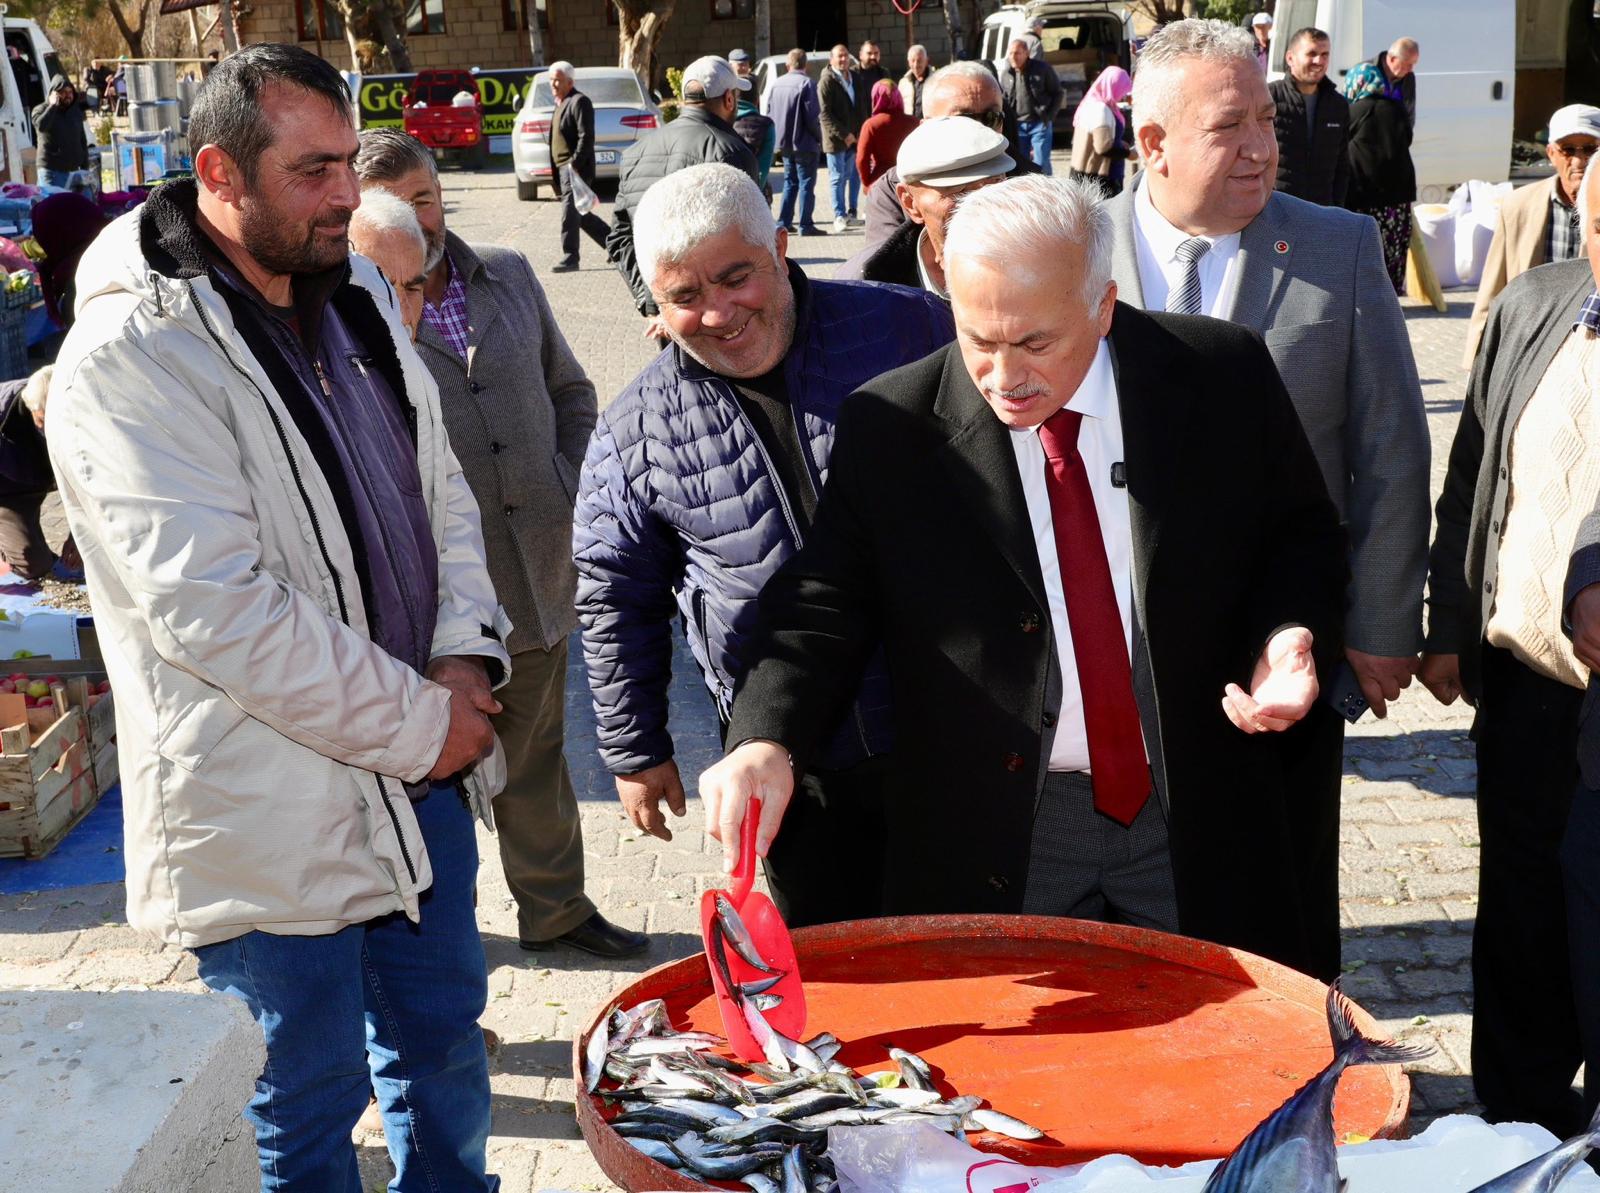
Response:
column 1282, row 689
column 755, row 770
column 641, row 795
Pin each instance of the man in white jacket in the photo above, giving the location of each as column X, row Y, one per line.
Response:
column 288, row 579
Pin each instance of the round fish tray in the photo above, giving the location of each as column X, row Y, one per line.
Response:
column 1107, row 1038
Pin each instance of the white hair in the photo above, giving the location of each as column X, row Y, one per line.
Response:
column 1030, row 219
column 913, row 51
column 958, row 70
column 690, row 206
column 37, row 389
column 1156, row 84
column 562, row 68
column 381, row 211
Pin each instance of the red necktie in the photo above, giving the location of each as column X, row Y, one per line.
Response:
column 1117, row 761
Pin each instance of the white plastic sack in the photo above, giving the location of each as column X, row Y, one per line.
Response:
column 1436, row 225
column 463, row 99
column 1453, row 1155
column 1476, row 205
column 583, row 198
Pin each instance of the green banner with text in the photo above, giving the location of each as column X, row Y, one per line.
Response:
column 382, row 98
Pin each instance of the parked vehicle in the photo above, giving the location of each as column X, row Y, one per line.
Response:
column 769, row 70
column 452, row 130
column 1466, row 77
column 1081, row 38
column 622, row 114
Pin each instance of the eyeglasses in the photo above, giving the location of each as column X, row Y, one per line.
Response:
column 1583, row 151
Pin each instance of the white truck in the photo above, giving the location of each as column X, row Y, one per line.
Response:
column 1465, row 78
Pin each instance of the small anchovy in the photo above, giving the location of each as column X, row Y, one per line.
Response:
column 903, row 1099
column 595, row 1054
column 663, row 1045
column 913, row 1077
column 767, row 1002
column 739, row 937
column 795, row 1177
column 660, row 1132
column 1292, row 1151
column 656, row 1150
column 1544, row 1174
column 902, row 1056
column 1000, row 1124
column 731, row 1167
column 762, row 1130
column 765, row 1037
column 760, row 985
column 757, row 1183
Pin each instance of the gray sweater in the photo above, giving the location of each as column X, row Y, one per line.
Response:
column 519, row 411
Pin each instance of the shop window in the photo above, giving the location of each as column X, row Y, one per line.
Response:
column 424, row 17
column 514, row 15
column 316, row 19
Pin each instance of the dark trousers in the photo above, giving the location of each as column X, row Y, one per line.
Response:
column 1525, row 1039
column 22, row 541
column 826, row 863
column 571, row 222
column 536, row 816
column 1315, row 777
column 1579, row 853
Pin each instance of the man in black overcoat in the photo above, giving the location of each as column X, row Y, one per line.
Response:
column 1101, row 560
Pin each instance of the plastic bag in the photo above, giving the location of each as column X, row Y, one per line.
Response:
column 1436, row 224
column 583, row 198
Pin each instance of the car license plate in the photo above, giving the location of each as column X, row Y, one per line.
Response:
column 606, row 157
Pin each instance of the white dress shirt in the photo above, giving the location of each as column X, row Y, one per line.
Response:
column 1160, row 270
column 1100, row 445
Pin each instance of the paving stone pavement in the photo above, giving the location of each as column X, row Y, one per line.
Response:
column 1408, row 865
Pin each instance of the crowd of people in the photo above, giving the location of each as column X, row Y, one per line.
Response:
column 1102, row 505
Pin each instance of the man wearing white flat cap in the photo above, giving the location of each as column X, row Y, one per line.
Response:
column 942, row 160
column 1261, row 26
column 1538, row 224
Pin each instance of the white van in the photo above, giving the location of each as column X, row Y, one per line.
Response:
column 1081, row 38
column 22, row 88
column 1465, row 77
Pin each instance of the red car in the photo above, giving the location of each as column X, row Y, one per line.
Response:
column 432, row 116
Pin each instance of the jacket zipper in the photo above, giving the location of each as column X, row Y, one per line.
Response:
column 316, row 530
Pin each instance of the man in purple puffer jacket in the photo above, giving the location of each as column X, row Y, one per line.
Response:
column 702, row 478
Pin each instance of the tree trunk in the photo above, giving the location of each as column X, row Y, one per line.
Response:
column 535, row 34
column 132, row 34
column 952, row 26
column 763, row 29
column 230, row 27
column 393, row 39
column 640, row 24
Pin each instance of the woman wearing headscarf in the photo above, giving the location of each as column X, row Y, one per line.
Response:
column 1098, row 148
column 881, row 134
column 1383, row 182
column 64, row 226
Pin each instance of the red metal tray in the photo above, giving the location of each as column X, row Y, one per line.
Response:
column 1108, row 1038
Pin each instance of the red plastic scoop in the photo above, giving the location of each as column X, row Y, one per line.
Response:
column 769, row 937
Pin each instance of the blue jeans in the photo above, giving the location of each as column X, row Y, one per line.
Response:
column 56, row 177
column 799, row 181
column 842, row 177
column 387, row 1005
column 1038, row 136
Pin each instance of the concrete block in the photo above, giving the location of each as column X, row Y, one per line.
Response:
column 137, row 1092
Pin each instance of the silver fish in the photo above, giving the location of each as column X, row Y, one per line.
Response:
column 739, row 937
column 656, row 1150
column 767, row 1002
column 1001, row 1124
column 760, row 986
column 595, row 1052
column 795, row 1177
column 1292, row 1151
column 758, row 1183
column 766, row 1037
column 1544, row 1174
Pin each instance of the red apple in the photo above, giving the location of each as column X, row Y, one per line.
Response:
column 103, row 687
column 46, row 703
column 7, row 686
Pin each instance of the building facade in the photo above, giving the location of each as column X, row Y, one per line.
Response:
column 492, row 34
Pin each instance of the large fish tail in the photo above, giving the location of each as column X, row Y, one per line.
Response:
column 1354, row 1048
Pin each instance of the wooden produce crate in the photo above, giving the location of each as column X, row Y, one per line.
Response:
column 80, row 674
column 47, row 782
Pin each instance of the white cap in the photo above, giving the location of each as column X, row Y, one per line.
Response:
column 950, row 151
column 1261, row 18
column 1575, row 120
column 713, row 76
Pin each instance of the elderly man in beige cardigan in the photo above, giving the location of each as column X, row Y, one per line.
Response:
column 1538, row 224
column 519, row 411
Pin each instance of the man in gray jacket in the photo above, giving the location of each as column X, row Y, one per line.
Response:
column 703, row 132
column 289, row 583
column 520, row 410
column 58, row 127
column 1204, row 233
